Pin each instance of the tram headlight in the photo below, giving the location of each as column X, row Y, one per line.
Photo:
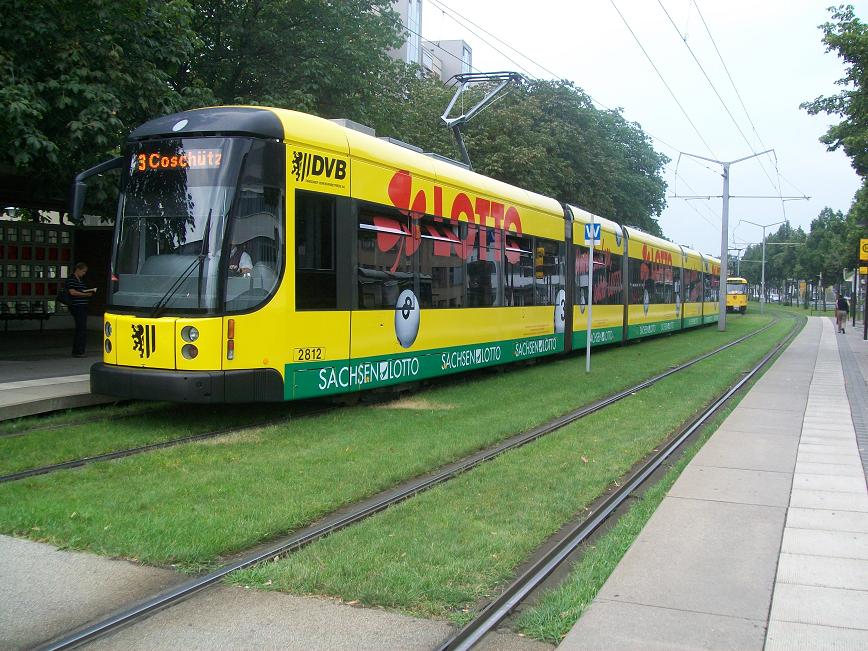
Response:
column 108, row 329
column 108, row 346
column 189, row 351
column 189, row 334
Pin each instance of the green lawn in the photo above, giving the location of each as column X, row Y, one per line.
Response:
column 60, row 442
column 440, row 553
column 191, row 504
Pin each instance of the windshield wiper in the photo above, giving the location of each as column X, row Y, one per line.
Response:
column 206, row 244
column 161, row 304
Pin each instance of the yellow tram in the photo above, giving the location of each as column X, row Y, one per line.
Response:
column 264, row 255
column 736, row 295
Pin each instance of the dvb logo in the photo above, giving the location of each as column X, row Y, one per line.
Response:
column 307, row 165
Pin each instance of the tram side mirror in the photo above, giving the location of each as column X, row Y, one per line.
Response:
column 79, row 187
column 79, row 192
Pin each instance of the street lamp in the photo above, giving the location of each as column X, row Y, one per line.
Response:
column 763, row 281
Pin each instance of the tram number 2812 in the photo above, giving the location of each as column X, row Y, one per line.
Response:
column 309, row 354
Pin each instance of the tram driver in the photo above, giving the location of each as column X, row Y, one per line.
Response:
column 240, row 263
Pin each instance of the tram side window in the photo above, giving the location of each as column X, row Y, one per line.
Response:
column 484, row 266
column 315, row 272
column 651, row 279
column 608, row 288
column 712, row 286
column 693, row 289
column 548, row 270
column 257, row 230
column 441, row 264
column 518, row 271
column 386, row 258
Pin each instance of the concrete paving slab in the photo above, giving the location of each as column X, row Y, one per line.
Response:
column 235, row 618
column 843, row 484
column 823, row 606
column 839, row 459
column 751, row 420
column 837, row 448
column 47, row 592
column 619, row 626
column 733, row 485
column 827, row 520
column 786, row 636
column 732, row 449
column 772, row 400
column 825, row 543
column 834, row 435
column 725, row 566
column 829, row 500
column 833, row 469
column 846, row 573
column 834, row 444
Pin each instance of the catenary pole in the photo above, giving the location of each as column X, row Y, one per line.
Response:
column 589, row 331
column 724, row 231
column 763, row 275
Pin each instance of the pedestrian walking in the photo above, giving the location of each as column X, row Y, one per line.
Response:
column 79, row 294
column 842, row 309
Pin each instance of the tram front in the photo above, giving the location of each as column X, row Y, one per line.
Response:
column 197, row 261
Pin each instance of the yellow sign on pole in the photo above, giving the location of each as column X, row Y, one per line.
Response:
column 863, row 271
column 863, row 249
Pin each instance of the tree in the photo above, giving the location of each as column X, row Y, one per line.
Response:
column 77, row 75
column 825, row 251
column 326, row 58
column 548, row 138
column 848, row 36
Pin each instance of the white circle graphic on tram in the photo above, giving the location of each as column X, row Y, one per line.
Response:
column 407, row 318
column 645, row 302
column 560, row 311
column 180, row 125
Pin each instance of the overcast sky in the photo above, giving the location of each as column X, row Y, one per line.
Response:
column 772, row 50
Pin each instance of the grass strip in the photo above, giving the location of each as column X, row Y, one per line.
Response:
column 191, row 504
column 440, row 553
column 77, row 416
column 76, row 440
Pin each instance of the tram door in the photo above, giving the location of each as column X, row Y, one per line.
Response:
column 320, row 328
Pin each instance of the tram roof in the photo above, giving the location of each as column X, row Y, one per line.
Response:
column 304, row 129
column 641, row 236
column 586, row 217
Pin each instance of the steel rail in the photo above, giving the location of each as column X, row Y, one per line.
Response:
column 350, row 515
column 531, row 578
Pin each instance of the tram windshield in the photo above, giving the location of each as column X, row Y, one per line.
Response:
column 736, row 287
column 200, row 226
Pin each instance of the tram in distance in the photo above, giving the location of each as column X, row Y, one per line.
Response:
column 736, row 295
column 265, row 255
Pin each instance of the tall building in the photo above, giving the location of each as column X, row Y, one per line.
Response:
column 411, row 17
column 440, row 59
column 456, row 57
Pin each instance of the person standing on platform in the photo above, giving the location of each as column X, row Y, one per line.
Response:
column 842, row 309
column 79, row 295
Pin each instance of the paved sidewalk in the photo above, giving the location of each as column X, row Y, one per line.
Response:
column 37, row 373
column 769, row 521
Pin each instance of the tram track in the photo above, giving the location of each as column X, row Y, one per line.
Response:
column 359, row 511
column 151, row 447
column 203, row 436
column 568, row 542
